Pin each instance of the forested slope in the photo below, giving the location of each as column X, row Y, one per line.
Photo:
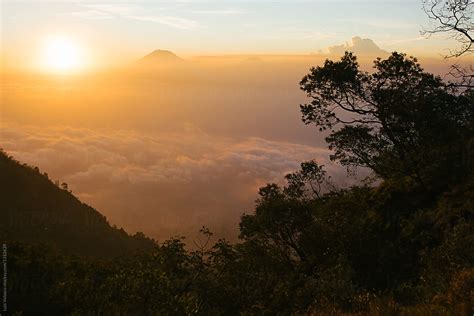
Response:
column 35, row 210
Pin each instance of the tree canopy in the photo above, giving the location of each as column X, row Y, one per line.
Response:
column 393, row 120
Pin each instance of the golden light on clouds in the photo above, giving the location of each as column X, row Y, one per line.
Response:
column 62, row 54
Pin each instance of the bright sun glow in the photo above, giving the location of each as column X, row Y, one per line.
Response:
column 62, row 54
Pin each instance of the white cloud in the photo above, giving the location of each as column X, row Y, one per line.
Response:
column 381, row 23
column 90, row 15
column 117, row 9
column 217, row 12
column 172, row 21
column 406, row 40
column 133, row 12
column 359, row 46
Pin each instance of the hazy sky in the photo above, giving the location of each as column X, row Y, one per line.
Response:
column 117, row 31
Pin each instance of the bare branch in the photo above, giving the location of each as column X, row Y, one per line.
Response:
column 453, row 17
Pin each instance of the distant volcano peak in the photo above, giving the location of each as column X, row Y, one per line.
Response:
column 161, row 55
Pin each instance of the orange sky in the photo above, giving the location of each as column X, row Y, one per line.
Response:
column 113, row 33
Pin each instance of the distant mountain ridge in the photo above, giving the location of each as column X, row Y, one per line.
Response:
column 35, row 210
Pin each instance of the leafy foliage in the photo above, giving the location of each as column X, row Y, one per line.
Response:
column 393, row 121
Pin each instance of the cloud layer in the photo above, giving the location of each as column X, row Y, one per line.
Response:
column 163, row 184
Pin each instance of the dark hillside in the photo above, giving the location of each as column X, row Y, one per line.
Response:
column 35, row 210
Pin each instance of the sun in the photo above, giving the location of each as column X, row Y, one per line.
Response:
column 62, row 54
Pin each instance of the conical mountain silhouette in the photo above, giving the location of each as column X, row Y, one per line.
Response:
column 160, row 56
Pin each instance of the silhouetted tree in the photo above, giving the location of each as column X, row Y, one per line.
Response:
column 393, row 121
column 311, row 180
